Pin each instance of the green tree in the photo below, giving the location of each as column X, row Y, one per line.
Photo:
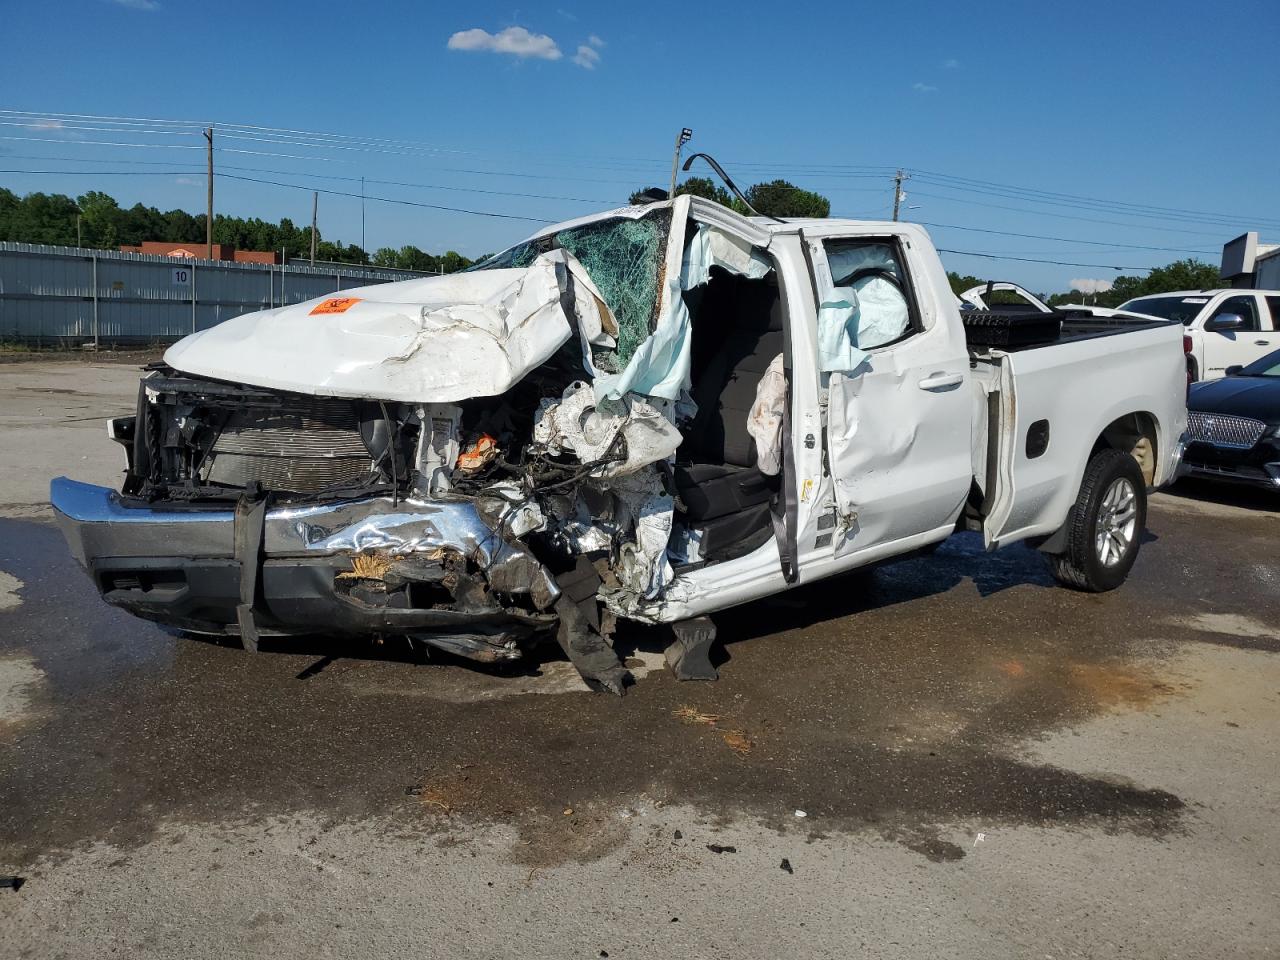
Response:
column 51, row 219
column 1188, row 274
column 453, row 261
column 102, row 219
column 778, row 198
column 959, row 283
column 707, row 189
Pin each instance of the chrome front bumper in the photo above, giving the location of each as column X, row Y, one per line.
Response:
column 178, row 564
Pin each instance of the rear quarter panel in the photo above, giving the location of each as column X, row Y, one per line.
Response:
column 1081, row 387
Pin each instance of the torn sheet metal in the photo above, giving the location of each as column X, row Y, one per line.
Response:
column 435, row 340
column 577, row 424
column 597, row 326
column 764, row 420
column 642, row 567
column 628, row 501
column 412, row 527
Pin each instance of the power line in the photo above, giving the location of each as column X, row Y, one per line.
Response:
column 1036, row 236
column 310, row 139
column 107, row 173
column 1081, row 205
column 1140, row 207
column 106, row 143
column 153, row 163
column 1060, row 263
column 1062, row 216
column 407, row 203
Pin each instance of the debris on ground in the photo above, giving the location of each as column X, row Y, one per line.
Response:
column 677, row 835
column 691, row 715
column 738, row 741
column 786, row 865
column 801, row 814
column 12, row 883
column 718, row 848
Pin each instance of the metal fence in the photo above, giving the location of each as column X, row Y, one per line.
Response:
column 73, row 294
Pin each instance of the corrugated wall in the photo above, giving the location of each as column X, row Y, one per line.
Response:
column 47, row 293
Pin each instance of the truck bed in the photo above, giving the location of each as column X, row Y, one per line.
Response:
column 1012, row 332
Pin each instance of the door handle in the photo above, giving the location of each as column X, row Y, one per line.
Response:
column 938, row 381
column 1261, row 343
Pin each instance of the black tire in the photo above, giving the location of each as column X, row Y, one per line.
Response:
column 1082, row 565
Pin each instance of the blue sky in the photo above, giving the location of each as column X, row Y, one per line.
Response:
column 1133, row 105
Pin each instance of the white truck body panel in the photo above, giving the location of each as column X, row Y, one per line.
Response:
column 1033, row 495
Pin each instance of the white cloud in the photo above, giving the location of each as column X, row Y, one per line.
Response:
column 923, row 87
column 1091, row 286
column 189, row 182
column 951, row 64
column 516, row 41
column 595, row 41
column 46, row 125
column 566, row 14
column 586, row 57
column 139, row 4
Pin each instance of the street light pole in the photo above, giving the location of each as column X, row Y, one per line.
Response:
column 898, row 195
column 208, row 215
column 683, row 137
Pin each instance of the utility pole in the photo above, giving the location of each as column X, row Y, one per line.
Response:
column 683, row 137
column 78, row 243
column 363, row 245
column 898, row 195
column 208, row 215
column 315, row 203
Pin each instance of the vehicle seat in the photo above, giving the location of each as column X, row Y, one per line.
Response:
column 737, row 331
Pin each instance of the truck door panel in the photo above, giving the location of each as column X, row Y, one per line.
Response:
column 1225, row 348
column 898, row 413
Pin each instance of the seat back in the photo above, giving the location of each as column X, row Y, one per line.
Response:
column 737, row 331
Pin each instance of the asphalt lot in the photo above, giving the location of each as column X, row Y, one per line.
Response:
column 988, row 765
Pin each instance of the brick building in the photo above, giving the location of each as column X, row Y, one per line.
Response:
column 197, row 251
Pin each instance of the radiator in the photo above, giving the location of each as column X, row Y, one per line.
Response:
column 301, row 446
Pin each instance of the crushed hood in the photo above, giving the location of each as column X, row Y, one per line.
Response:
column 434, row 340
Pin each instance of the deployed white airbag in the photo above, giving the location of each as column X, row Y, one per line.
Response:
column 764, row 421
column 853, row 320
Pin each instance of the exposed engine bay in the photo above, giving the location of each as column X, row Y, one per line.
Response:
column 558, row 436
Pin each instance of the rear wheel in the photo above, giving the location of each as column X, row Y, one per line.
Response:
column 1104, row 527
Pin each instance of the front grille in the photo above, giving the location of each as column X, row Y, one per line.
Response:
column 302, row 446
column 1223, row 430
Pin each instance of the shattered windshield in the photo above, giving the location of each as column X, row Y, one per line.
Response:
column 624, row 259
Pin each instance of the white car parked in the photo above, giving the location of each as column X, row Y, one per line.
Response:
column 1224, row 328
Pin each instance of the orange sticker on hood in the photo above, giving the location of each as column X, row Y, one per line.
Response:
column 334, row 305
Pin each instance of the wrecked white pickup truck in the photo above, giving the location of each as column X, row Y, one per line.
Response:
column 653, row 413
